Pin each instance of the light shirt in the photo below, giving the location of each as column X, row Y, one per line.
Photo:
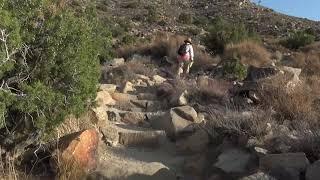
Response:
column 190, row 51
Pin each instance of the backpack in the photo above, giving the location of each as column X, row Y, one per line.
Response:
column 182, row 49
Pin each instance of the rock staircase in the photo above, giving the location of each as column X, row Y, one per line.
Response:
column 135, row 126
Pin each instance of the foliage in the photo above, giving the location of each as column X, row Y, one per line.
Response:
column 299, row 39
column 185, row 18
column 222, row 33
column 49, row 61
column 234, row 69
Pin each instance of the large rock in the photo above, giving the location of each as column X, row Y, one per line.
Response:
column 197, row 142
column 313, row 171
column 110, row 88
column 116, row 62
column 293, row 77
column 296, row 162
column 234, row 161
column 175, row 121
column 179, row 98
column 104, row 98
column 80, row 148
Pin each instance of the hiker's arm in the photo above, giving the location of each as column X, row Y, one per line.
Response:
column 191, row 53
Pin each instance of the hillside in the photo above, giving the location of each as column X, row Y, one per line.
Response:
column 166, row 13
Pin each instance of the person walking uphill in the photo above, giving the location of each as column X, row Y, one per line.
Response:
column 185, row 57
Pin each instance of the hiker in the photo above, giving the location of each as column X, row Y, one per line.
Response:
column 185, row 57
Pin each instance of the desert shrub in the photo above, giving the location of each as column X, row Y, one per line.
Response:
column 249, row 53
column 298, row 39
column 222, row 33
column 234, row 69
column 128, row 39
column 131, row 4
column 185, row 18
column 52, row 67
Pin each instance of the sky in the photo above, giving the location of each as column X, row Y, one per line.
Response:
column 301, row 8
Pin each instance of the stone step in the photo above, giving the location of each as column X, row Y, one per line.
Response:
column 140, row 105
column 141, row 137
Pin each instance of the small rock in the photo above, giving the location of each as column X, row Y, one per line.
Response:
column 116, row 62
column 104, row 98
column 113, row 115
column 260, row 151
column 259, row 176
column 128, row 87
column 142, row 77
column 313, row 171
column 158, row 79
column 81, row 148
column 110, row 88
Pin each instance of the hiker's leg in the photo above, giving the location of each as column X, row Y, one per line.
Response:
column 180, row 68
column 189, row 65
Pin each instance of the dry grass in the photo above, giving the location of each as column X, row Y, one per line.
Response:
column 69, row 169
column 235, row 122
column 8, row 169
column 211, row 90
column 293, row 105
column 249, row 53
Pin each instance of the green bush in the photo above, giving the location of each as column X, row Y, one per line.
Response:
column 128, row 39
column 185, row 18
column 222, row 33
column 234, row 69
column 52, row 67
column 298, row 39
